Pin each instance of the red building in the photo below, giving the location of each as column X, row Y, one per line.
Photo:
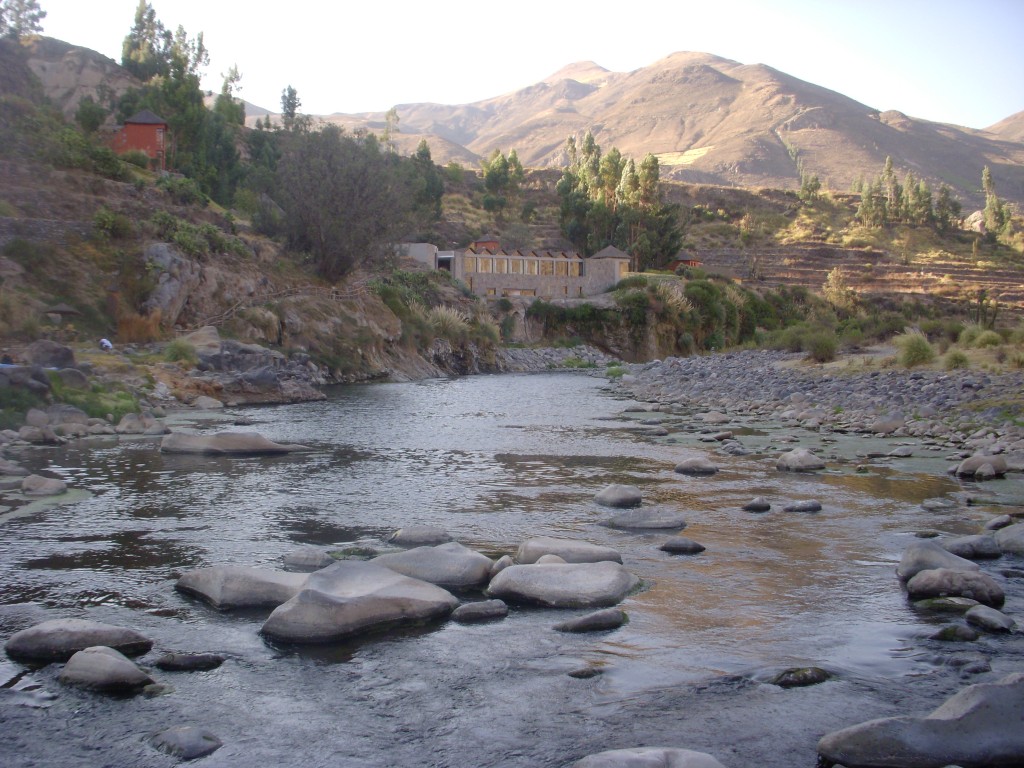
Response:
column 147, row 133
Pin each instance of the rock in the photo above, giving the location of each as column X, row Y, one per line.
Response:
column 799, row 677
column 205, row 403
column 648, row 518
column 10, row 469
column 946, row 604
column 501, row 564
column 103, row 669
column 680, row 545
column 715, row 417
column 977, row 547
column 140, row 424
column 1001, row 521
column 225, row 443
column 39, row 435
column 49, row 354
column 1011, row 539
column 599, row 621
column 188, row 662
column 799, row 460
column 956, row 633
column 757, row 504
column 60, row 639
column 187, row 742
column 989, row 619
column 809, row 505
column 419, row 536
column 570, row 550
column 981, row 467
column 649, row 757
column 36, row 485
column 699, row 466
column 351, row 598
column 976, row 728
column 72, row 378
column 902, row 452
column 36, row 418
column 227, row 587
column 550, row 560
column 944, row 581
column 450, row 565
column 887, row 425
column 619, row 496
column 927, row 555
column 575, row 585
column 483, row 610
column 307, row 559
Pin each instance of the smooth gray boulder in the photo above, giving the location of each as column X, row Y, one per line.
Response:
column 619, row 496
column 648, row 518
column 981, row 467
column 37, row 485
column 100, row 668
column 144, row 423
column 307, row 559
column 940, row 582
column 757, row 504
column 60, row 639
column 989, row 619
column 419, row 536
column 225, row 443
column 573, row 585
column 1011, row 539
column 799, row 460
column 351, row 598
column 926, row 555
column 649, row 757
column 979, row 727
column 227, row 587
column 187, row 742
column 808, row 505
column 699, row 466
column 978, row 547
column 680, row 545
column 483, row 610
column 188, row 662
column 12, row 469
column 450, row 565
column 598, row 621
column 570, row 550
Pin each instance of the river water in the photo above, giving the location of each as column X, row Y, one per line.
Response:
column 493, row 460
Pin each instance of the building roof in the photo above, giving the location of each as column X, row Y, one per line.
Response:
column 611, row 252
column 145, row 117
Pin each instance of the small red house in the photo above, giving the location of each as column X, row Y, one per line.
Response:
column 146, row 132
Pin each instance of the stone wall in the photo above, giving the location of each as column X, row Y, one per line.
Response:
column 47, row 230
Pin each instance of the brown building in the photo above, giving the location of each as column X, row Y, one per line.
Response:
column 145, row 132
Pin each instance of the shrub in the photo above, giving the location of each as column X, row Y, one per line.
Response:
column 183, row 191
column 969, row 335
column 615, row 371
column 914, row 349
column 633, row 281
column 821, row 346
column 135, row 328
column 180, row 351
column 110, row 224
column 136, row 157
column 988, row 339
column 955, row 359
column 448, row 321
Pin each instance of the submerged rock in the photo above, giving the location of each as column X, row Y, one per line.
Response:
column 60, row 639
column 944, row 581
column 649, row 757
column 419, row 536
column 598, row 621
column 809, row 505
column 225, row 443
column 188, row 742
column 977, row 547
column 483, row 610
column 574, row 585
column 989, row 619
column 699, row 466
column 799, row 677
column 351, row 598
column 648, row 518
column 37, row 485
column 926, row 555
column 570, row 550
column 757, row 504
column 188, row 662
column 680, row 545
column 619, row 496
column 979, row 727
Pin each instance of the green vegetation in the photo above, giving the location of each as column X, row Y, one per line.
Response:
column 100, row 401
column 180, row 351
column 955, row 359
column 914, row 349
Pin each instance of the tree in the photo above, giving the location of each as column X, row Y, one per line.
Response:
column 21, row 18
column 144, row 52
column 947, row 210
column 390, row 128
column 428, row 183
column 290, row 104
column 996, row 215
column 90, row 115
column 226, row 105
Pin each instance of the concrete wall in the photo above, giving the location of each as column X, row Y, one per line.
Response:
column 594, row 276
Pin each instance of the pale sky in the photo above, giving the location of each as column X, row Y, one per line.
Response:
column 950, row 61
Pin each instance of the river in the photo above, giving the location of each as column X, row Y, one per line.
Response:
column 493, row 460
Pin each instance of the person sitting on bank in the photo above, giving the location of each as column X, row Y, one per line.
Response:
column 105, row 345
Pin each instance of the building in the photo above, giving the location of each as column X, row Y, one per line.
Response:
column 144, row 132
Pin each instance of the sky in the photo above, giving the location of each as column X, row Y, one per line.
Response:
column 950, row 61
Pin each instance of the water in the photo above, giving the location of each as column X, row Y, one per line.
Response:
column 493, row 460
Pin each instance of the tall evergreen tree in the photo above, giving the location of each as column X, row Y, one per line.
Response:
column 21, row 18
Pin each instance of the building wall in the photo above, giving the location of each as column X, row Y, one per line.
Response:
column 569, row 278
column 149, row 138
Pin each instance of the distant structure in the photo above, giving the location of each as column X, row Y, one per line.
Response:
column 492, row 272
column 145, row 132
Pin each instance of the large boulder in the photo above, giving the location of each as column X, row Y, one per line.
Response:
column 225, row 443
column 103, row 669
column 649, row 757
column 49, row 354
column 648, row 518
column 60, row 639
column 598, row 621
column 572, row 585
column 927, row 555
column 419, row 536
column 450, row 565
column 37, row 485
column 1011, row 539
column 619, row 496
column 352, row 598
column 980, row 546
column 144, row 423
column 227, row 587
column 944, row 581
column 696, row 466
column 981, row 467
column 799, row 460
column 979, row 727
column 570, row 550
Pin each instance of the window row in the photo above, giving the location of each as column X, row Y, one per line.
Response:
column 486, row 265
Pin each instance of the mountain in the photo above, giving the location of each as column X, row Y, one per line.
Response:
column 1010, row 128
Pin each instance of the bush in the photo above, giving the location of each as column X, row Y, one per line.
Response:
column 180, row 351
column 633, row 281
column 110, row 224
column 821, row 346
column 969, row 335
column 615, row 371
column 914, row 350
column 183, row 191
column 955, row 359
column 136, row 157
column 988, row 339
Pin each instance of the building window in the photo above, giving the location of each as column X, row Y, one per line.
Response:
column 515, row 266
column 469, row 265
column 531, row 267
column 500, row 266
column 528, row 292
column 547, row 268
column 561, row 268
column 484, row 266
column 490, row 292
column 575, row 269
